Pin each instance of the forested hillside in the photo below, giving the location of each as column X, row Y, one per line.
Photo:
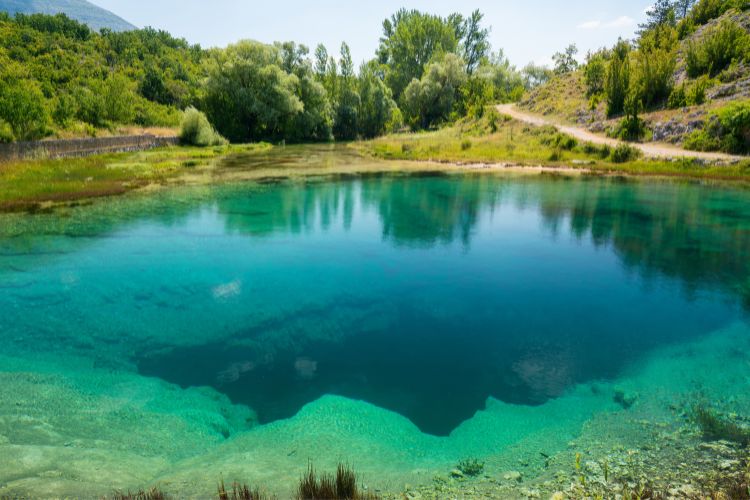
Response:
column 85, row 12
column 58, row 77
column 685, row 79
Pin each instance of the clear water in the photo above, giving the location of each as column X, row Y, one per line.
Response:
column 422, row 295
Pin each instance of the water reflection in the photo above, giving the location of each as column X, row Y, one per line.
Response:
column 421, row 294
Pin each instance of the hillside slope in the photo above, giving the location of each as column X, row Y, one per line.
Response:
column 565, row 98
column 80, row 10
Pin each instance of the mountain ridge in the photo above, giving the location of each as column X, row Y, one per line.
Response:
column 80, row 10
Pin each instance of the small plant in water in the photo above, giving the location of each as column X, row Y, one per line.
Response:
column 471, row 467
column 240, row 492
column 715, row 428
column 328, row 487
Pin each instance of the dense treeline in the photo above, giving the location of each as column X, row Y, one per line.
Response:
column 58, row 76
column 633, row 76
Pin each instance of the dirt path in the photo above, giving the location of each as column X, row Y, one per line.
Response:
column 650, row 150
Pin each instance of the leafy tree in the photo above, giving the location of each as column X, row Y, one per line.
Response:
column 595, row 73
column 719, row 46
column 411, row 39
column 377, row 108
column 535, row 75
column 476, row 44
column 347, row 109
column 565, row 61
column 321, row 62
column 682, row 8
column 432, row 99
column 618, row 78
column 656, row 60
column 661, row 13
column 248, row 95
column 23, row 108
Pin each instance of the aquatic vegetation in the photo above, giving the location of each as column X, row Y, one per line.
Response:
column 716, row 428
column 327, row 487
column 471, row 467
column 241, row 492
column 152, row 494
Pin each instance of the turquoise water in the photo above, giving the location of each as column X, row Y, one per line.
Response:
column 420, row 295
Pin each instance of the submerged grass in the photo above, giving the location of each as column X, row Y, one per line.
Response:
column 495, row 139
column 28, row 184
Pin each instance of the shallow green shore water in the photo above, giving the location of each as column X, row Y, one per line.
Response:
column 397, row 323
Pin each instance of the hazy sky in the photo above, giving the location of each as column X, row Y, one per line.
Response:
column 528, row 30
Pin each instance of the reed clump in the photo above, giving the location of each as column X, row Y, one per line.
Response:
column 342, row 486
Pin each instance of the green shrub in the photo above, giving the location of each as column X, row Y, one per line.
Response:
column 727, row 129
column 595, row 75
column 654, row 75
column 631, row 128
column 471, row 467
column 24, row 108
column 706, row 10
column 466, row 145
column 678, row 97
column 618, row 78
column 719, row 46
column 6, row 132
column 196, row 130
column 625, row 153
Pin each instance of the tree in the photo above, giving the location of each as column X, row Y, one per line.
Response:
column 595, row 73
column 377, row 108
column 683, row 7
column 23, row 108
column 476, row 45
column 661, row 13
column 411, row 39
column 618, row 78
column 321, row 62
column 347, row 108
column 248, row 95
column 432, row 99
column 535, row 75
column 565, row 62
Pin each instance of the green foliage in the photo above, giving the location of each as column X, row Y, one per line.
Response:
column 565, row 61
column 534, row 75
column 196, row 130
column 662, row 13
column 624, row 153
column 720, row 45
column 618, row 78
column 471, row 467
column 431, row 100
column 411, row 40
column 716, row 428
column 23, row 109
column 378, row 113
column 654, row 75
column 475, row 46
column 631, row 128
column 707, row 10
column 6, row 132
column 727, row 129
column 595, row 74
column 248, row 95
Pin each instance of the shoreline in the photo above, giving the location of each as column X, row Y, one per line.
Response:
column 176, row 166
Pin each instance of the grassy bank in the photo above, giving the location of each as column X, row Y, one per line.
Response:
column 497, row 140
column 36, row 184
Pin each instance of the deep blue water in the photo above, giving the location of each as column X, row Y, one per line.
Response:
column 423, row 295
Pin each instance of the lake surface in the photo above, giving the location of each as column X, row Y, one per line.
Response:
column 424, row 295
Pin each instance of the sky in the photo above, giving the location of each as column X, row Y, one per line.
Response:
column 527, row 30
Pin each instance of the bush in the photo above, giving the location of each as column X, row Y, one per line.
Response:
column 24, row 108
column 624, row 153
column 631, row 128
column 618, row 78
column 195, row 130
column 654, row 76
column 595, row 74
column 466, row 145
column 6, row 132
column 728, row 130
column 721, row 45
column 689, row 95
column 706, row 10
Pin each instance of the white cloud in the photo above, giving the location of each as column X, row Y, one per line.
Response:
column 620, row 22
column 590, row 25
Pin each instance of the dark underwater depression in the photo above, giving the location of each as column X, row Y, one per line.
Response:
column 424, row 295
